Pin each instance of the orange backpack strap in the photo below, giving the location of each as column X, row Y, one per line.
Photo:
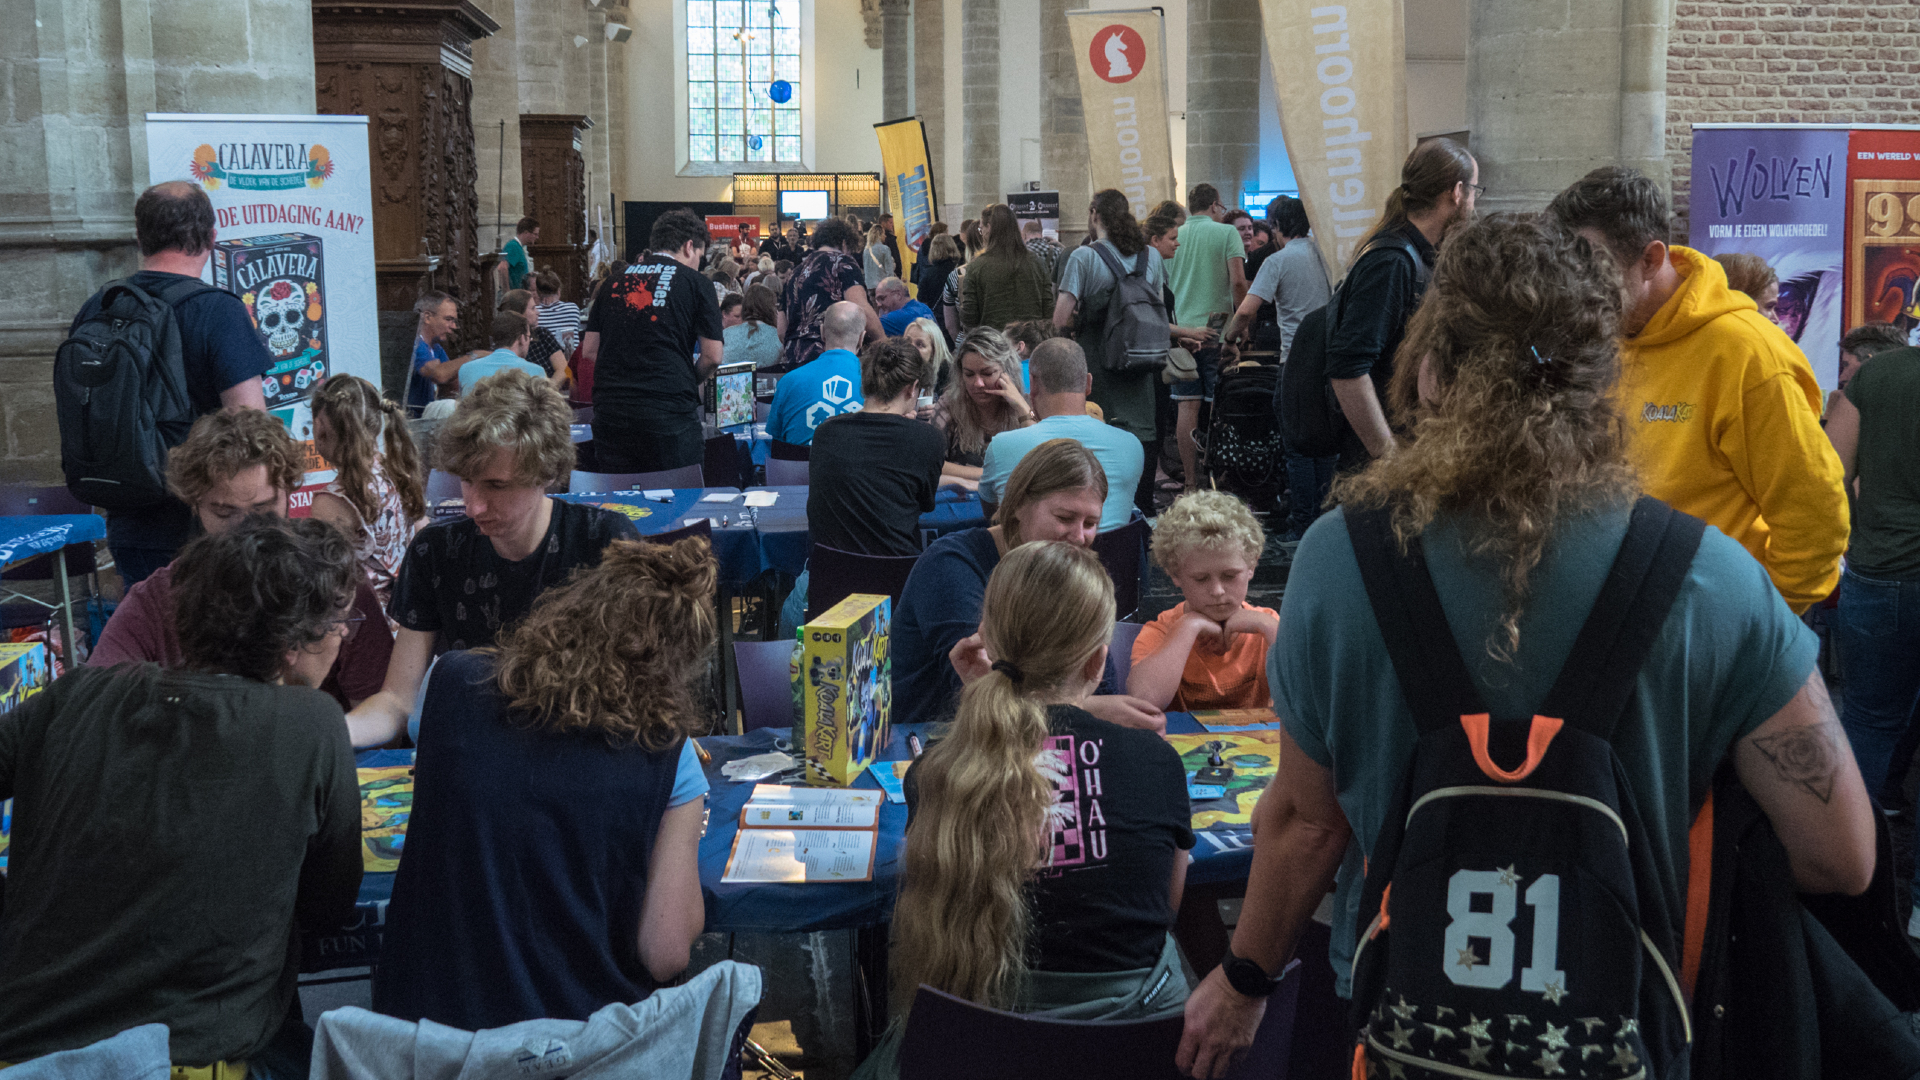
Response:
column 1539, row 737
column 1699, row 892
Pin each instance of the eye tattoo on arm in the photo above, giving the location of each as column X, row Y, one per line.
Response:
column 1805, row 756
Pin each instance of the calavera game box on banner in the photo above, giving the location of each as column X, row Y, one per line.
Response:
column 279, row 278
column 846, row 684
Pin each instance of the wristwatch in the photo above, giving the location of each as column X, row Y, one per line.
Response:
column 1248, row 977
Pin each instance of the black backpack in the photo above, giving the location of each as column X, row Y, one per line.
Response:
column 120, row 388
column 1134, row 335
column 1518, row 923
column 1243, row 453
column 1310, row 416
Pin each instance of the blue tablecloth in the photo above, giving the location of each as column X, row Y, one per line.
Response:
column 1223, row 853
column 27, row 536
column 734, row 542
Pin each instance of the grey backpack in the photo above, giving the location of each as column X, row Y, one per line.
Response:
column 1136, row 336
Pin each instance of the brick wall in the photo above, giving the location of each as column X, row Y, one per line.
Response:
column 1735, row 62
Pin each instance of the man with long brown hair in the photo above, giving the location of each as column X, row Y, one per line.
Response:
column 1439, row 184
column 1517, row 495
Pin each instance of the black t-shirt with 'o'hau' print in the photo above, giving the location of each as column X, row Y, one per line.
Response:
column 1103, row 900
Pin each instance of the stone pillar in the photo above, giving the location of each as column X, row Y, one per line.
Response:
column 1063, row 126
column 896, row 61
column 599, row 160
column 1602, row 64
column 618, row 123
column 554, row 178
column 980, row 98
column 1223, row 95
column 930, row 87
column 77, row 78
column 409, row 70
column 496, row 102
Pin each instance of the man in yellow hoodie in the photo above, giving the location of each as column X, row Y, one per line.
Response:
column 1721, row 405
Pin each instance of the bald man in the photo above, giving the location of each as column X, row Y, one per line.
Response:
column 826, row 386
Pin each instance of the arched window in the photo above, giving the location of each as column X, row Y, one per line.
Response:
column 743, row 81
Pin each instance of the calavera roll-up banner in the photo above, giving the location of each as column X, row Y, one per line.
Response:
column 1340, row 76
column 293, row 209
column 1779, row 193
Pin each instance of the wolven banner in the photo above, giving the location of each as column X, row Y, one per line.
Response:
column 1122, row 59
column 1340, row 77
column 910, row 194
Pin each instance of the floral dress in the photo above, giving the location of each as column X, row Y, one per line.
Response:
column 380, row 545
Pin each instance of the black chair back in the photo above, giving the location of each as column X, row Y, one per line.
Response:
column 833, row 575
column 701, row 528
column 766, row 683
column 723, row 468
column 950, row 1039
column 1123, row 551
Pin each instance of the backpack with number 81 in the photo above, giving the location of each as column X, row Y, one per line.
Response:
column 1516, row 920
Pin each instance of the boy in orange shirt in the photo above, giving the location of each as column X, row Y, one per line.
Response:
column 1210, row 650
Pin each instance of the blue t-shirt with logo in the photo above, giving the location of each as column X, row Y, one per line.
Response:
column 826, row 386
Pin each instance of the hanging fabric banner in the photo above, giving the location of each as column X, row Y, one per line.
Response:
column 1122, row 60
column 910, row 195
column 1339, row 74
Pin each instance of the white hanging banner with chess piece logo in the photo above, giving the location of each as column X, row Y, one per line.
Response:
column 293, row 239
column 1122, row 60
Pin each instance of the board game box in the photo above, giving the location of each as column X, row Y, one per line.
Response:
column 386, row 802
column 845, row 678
column 24, row 672
column 280, row 279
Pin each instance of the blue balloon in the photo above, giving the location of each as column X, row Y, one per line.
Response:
column 754, row 142
column 781, row 91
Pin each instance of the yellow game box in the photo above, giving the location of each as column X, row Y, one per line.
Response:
column 846, row 689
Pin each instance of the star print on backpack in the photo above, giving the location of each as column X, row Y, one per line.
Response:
column 1518, row 925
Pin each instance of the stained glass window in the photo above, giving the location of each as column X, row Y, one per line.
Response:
column 742, row 56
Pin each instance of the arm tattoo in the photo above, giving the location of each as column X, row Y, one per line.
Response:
column 1805, row 756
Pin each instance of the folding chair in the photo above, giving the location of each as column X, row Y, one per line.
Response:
column 783, row 473
column 1121, row 651
column 581, row 483
column 833, row 575
column 1123, row 551
column 766, row 686
column 951, row 1039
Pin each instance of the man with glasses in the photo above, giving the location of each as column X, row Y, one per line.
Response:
column 238, row 464
column 1208, row 276
column 174, row 825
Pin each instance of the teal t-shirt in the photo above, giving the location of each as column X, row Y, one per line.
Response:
column 1119, row 453
column 1730, row 656
column 498, row 360
column 516, row 256
column 1197, row 273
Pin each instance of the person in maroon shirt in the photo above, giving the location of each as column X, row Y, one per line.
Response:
column 234, row 464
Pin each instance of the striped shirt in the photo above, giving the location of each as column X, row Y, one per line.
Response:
column 563, row 320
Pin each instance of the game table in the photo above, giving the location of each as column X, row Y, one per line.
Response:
column 30, row 536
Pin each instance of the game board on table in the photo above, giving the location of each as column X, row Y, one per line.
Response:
column 1255, row 759
column 386, row 801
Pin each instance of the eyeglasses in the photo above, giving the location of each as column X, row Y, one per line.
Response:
column 351, row 623
column 1479, row 190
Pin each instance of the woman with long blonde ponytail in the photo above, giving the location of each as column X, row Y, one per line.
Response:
column 377, row 496
column 1046, row 848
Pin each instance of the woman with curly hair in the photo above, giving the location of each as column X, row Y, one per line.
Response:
column 375, row 496
column 1514, row 497
column 552, row 853
column 983, row 398
column 1086, row 283
column 1046, row 848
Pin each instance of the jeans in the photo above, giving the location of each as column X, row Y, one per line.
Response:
column 1308, row 479
column 1877, row 630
